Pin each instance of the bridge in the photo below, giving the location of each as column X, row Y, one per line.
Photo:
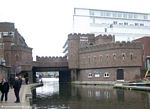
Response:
column 44, row 64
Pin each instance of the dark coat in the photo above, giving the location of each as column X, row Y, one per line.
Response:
column 4, row 87
column 17, row 85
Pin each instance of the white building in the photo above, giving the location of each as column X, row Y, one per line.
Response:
column 124, row 25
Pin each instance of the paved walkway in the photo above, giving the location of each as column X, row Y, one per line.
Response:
column 24, row 104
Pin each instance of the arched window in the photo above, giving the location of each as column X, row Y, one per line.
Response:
column 95, row 60
column 123, row 56
column 17, row 57
column 100, row 58
column 107, row 56
column 114, row 56
column 89, row 60
column 131, row 56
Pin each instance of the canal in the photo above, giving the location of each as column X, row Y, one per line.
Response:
column 66, row 96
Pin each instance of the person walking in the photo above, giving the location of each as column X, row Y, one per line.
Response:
column 11, row 81
column 4, row 89
column 20, row 80
column 26, row 78
column 17, row 86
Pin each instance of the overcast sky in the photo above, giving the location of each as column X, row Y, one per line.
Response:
column 45, row 24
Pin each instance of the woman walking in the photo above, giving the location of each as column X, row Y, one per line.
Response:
column 4, row 89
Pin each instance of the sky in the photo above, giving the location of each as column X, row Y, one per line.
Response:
column 45, row 24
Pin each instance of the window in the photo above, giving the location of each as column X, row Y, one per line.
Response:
column 125, row 15
column 145, row 17
column 114, row 14
column 125, row 23
column 96, row 13
column 108, row 14
column 91, row 13
column 123, row 56
column 100, row 58
column 107, row 56
column 141, row 24
column 114, row 56
column 114, row 22
column 131, row 56
column 94, row 60
column 135, row 16
column 111, row 25
column 102, row 13
column 119, row 15
column 106, row 74
column 120, row 23
column 1, row 45
column 130, row 16
column 136, row 24
column 83, row 60
column 97, row 74
column 5, row 33
column 90, row 75
column 89, row 60
column 17, row 57
column 105, row 30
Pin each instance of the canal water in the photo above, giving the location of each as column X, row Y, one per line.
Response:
column 66, row 96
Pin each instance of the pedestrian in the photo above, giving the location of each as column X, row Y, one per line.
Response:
column 26, row 80
column 20, row 80
column 17, row 86
column 4, row 89
column 11, row 81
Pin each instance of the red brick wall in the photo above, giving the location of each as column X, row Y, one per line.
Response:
column 146, row 43
column 130, row 74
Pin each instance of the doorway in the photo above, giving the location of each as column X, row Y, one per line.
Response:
column 120, row 74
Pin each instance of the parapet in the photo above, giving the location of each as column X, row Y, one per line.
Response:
column 102, row 39
column 105, row 36
column 51, row 59
column 78, row 35
column 7, row 27
column 111, row 46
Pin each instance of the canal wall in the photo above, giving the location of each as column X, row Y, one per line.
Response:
column 140, row 86
column 94, row 82
column 27, row 94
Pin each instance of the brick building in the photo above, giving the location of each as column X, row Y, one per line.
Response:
column 102, row 59
column 145, row 41
column 13, row 50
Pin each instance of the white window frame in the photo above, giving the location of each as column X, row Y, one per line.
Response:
column 90, row 75
column 106, row 74
column 97, row 75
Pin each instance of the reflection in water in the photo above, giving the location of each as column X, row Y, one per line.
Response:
column 51, row 87
column 66, row 96
column 120, row 95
